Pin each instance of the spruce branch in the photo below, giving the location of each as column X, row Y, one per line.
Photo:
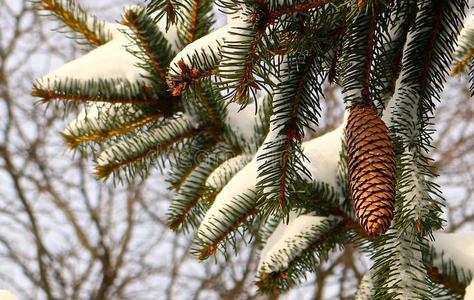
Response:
column 76, row 18
column 197, row 19
column 110, row 91
column 151, row 41
column 75, row 139
column 136, row 156
column 162, row 8
column 439, row 278
column 303, row 252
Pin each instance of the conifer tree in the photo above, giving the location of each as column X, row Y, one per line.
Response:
column 226, row 113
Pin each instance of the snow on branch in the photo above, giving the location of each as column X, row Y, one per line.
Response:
column 136, row 156
column 197, row 60
column 288, row 241
column 366, row 287
column 458, row 247
column 231, row 208
column 102, row 121
column 110, row 61
column 222, row 174
column 297, row 248
column 400, row 263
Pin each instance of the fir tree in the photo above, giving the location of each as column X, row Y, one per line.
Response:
column 226, row 113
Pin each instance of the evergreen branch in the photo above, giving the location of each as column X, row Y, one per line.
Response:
column 186, row 164
column 280, row 167
column 426, row 66
column 197, row 19
column 239, row 58
column 471, row 80
column 152, row 42
column 139, row 153
column 317, row 241
column 463, row 63
column 212, row 110
column 75, row 140
column 162, row 8
column 194, row 21
column 463, row 56
column 178, row 84
column 362, row 79
column 215, row 232
column 211, row 249
column 296, row 107
column 437, row 277
column 51, row 95
column 451, row 279
column 370, row 51
column 188, row 207
column 398, row 265
column 179, row 221
column 403, row 16
column 110, row 91
column 76, row 18
column 299, row 7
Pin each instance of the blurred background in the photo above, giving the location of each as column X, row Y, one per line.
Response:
column 64, row 235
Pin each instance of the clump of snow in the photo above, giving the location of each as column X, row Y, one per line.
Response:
column 469, row 291
column 109, row 61
column 276, row 235
column 366, row 287
column 288, row 242
column 458, row 247
column 323, row 155
column 220, row 176
column 6, row 295
column 242, row 120
column 206, row 48
column 242, row 182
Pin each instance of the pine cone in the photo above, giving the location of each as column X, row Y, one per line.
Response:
column 372, row 169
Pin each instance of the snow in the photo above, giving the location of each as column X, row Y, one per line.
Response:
column 242, row 121
column 219, row 176
column 405, row 275
column 366, row 287
column 414, row 189
column 242, row 182
column 206, row 48
column 109, row 61
column 323, row 155
column 459, row 247
column 276, row 235
column 6, row 295
column 469, row 291
column 390, row 108
column 288, row 242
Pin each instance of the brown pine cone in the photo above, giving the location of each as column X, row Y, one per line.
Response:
column 372, row 169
